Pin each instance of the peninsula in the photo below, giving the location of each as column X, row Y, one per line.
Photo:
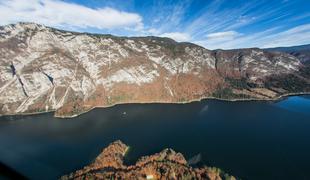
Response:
column 167, row 164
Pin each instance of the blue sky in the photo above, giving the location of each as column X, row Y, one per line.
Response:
column 213, row 24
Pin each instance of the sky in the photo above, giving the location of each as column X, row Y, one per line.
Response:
column 213, row 24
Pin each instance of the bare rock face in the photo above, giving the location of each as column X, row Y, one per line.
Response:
column 44, row 69
column 164, row 165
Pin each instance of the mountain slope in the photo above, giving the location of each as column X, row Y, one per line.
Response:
column 45, row 69
column 301, row 52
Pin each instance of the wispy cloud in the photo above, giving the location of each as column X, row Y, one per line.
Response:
column 293, row 36
column 62, row 14
column 269, row 38
column 213, row 18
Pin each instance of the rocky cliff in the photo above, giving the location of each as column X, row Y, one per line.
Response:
column 44, row 69
column 164, row 165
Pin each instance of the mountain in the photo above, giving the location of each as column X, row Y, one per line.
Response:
column 45, row 69
column 164, row 165
column 305, row 47
column 301, row 52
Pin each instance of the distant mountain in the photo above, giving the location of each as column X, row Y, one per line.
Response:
column 45, row 69
column 305, row 47
column 301, row 52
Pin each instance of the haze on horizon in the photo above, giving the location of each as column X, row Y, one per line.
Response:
column 213, row 24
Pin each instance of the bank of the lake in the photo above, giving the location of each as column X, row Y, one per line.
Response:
column 276, row 98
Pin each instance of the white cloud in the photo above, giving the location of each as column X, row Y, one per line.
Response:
column 63, row 14
column 177, row 36
column 227, row 35
column 153, row 31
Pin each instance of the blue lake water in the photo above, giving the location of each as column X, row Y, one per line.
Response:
column 250, row 140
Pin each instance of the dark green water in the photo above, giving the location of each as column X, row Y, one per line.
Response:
column 251, row 140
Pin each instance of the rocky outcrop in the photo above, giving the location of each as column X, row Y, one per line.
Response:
column 164, row 165
column 45, row 69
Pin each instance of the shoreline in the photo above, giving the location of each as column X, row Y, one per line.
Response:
column 160, row 102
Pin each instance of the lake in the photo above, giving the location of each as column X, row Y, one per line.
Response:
column 250, row 140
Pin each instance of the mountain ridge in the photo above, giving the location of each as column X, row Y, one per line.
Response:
column 290, row 48
column 302, row 52
column 45, row 69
